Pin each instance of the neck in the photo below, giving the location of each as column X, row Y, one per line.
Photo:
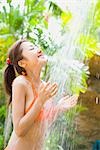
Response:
column 34, row 77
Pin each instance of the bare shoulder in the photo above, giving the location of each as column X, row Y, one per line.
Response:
column 19, row 80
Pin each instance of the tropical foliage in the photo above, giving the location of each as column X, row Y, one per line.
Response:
column 32, row 22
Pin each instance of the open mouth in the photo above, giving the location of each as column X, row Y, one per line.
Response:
column 40, row 55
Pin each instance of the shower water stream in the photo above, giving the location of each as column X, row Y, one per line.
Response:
column 66, row 70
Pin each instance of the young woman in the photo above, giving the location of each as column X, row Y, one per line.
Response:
column 31, row 98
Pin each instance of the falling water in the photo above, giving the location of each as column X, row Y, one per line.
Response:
column 65, row 58
column 67, row 67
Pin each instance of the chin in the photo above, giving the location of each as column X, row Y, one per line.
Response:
column 43, row 61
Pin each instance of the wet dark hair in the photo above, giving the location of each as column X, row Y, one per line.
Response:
column 14, row 54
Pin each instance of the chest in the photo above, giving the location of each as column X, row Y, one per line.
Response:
column 30, row 95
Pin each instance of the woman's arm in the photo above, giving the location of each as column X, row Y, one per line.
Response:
column 22, row 122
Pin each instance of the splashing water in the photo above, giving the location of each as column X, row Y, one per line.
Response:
column 65, row 58
column 66, row 70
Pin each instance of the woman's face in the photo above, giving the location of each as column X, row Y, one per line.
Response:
column 34, row 56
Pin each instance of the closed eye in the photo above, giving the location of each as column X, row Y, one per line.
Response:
column 32, row 48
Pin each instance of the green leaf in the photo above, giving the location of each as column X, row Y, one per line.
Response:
column 66, row 16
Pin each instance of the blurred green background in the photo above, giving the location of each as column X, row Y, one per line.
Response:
column 30, row 19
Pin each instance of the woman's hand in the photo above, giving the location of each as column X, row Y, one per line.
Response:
column 47, row 91
column 67, row 102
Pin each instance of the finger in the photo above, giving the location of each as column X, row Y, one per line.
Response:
column 53, row 88
column 54, row 92
column 47, row 84
column 64, row 94
column 70, row 97
column 73, row 103
column 73, row 97
column 66, row 97
column 76, row 96
column 41, row 85
column 70, row 100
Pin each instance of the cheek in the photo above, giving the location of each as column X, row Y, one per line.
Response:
column 33, row 60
